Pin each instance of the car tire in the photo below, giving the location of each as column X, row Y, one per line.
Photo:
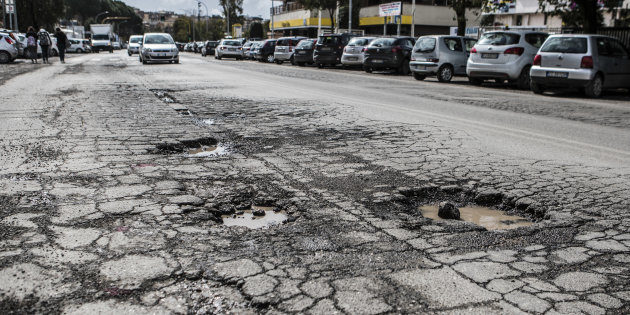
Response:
column 111, row 51
column 176, row 61
column 79, row 51
column 522, row 83
column 595, row 87
column 300, row 64
column 445, row 73
column 367, row 69
column 269, row 59
column 292, row 61
column 144, row 62
column 5, row 57
column 219, row 57
column 404, row 67
column 475, row 81
column 279, row 62
column 320, row 65
column 536, row 88
column 419, row 76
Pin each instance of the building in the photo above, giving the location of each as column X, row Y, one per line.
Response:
column 431, row 17
column 158, row 21
column 292, row 19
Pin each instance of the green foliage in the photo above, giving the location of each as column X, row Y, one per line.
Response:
column 255, row 30
column 586, row 14
column 233, row 9
column 86, row 11
column 329, row 6
column 211, row 29
column 344, row 14
column 39, row 13
column 460, row 7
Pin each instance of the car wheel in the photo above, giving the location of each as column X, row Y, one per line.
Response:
column 4, row 57
column 404, row 67
column 269, row 58
column 536, row 88
column 55, row 53
column 79, row 51
column 176, row 61
column 523, row 79
column 419, row 76
column 219, row 57
column 279, row 62
column 367, row 69
column 595, row 87
column 445, row 73
column 475, row 81
column 144, row 62
column 301, row 64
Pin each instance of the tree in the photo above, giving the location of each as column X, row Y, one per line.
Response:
column 233, row 10
column 86, row 11
column 586, row 14
column 39, row 13
column 256, row 30
column 329, row 6
column 460, row 7
column 343, row 14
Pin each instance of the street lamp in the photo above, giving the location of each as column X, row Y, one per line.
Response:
column 106, row 12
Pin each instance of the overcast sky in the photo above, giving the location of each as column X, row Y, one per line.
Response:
column 250, row 7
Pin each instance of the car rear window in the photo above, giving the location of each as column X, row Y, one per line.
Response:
column 567, row 45
column 135, row 40
column 358, row 42
column 382, row 42
column 305, row 44
column 536, row 39
column 329, row 40
column 231, row 43
column 499, row 39
column 158, row 39
column 425, row 44
column 454, row 44
column 283, row 42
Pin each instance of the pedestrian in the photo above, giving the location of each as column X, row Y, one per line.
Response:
column 31, row 44
column 44, row 43
column 62, row 43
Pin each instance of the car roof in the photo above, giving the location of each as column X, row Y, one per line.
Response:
column 520, row 32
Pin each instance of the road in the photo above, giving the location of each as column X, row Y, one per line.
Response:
column 109, row 207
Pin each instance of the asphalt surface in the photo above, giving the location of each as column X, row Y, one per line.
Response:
column 106, row 209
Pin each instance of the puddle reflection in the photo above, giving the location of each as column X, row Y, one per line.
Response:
column 489, row 218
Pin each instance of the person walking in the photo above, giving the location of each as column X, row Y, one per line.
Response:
column 31, row 44
column 62, row 43
column 44, row 42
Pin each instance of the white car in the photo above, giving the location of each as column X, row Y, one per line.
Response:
column 8, row 48
column 54, row 51
column 158, row 47
column 504, row 55
column 76, row 46
column 134, row 44
column 353, row 54
column 229, row 48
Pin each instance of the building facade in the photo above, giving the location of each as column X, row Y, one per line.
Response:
column 292, row 19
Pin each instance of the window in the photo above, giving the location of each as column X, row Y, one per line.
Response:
column 536, row 39
column 358, row 41
column 616, row 49
column 382, row 42
column 425, row 45
column 602, row 47
column 567, row 45
column 519, row 20
column 329, row 40
column 231, row 43
column 135, row 40
column 454, row 44
column 499, row 39
column 305, row 44
column 470, row 43
column 158, row 39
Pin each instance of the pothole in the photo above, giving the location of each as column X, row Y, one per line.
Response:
column 257, row 217
column 201, row 147
column 205, row 151
column 164, row 96
column 488, row 218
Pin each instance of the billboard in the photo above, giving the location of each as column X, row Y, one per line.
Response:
column 390, row 9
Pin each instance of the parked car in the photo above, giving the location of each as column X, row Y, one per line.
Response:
column 180, row 46
column 229, row 48
column 86, row 45
column 443, row 56
column 188, row 47
column 116, row 45
column 8, row 48
column 158, row 47
column 389, row 53
column 284, row 49
column 265, row 52
column 134, row 45
column 354, row 53
column 589, row 62
column 76, row 46
column 329, row 49
column 251, row 51
column 198, row 46
column 504, row 55
column 209, row 48
column 303, row 53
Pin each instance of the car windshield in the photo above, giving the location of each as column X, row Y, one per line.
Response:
column 567, row 45
column 212, row 44
column 382, row 42
column 231, row 43
column 135, row 40
column 305, row 44
column 425, row 44
column 100, row 37
column 158, row 39
column 329, row 40
column 284, row 42
column 499, row 39
column 357, row 41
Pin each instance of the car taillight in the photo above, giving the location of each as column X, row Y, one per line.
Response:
column 587, row 62
column 396, row 49
column 8, row 40
column 473, row 50
column 433, row 60
column 413, row 58
column 537, row 60
column 364, row 49
column 514, row 51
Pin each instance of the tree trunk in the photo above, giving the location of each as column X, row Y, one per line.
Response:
column 332, row 18
column 460, row 11
column 590, row 11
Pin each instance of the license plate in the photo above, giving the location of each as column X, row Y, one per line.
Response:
column 552, row 74
column 377, row 61
column 302, row 52
column 353, row 58
column 326, row 49
column 490, row 56
column 421, row 68
column 232, row 49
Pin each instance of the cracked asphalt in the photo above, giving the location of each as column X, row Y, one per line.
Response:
column 104, row 210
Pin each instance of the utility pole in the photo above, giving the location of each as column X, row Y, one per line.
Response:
column 319, row 23
column 193, row 27
column 17, row 25
column 337, row 19
column 413, row 18
column 350, row 17
column 198, row 12
column 4, row 14
column 272, row 12
column 227, row 15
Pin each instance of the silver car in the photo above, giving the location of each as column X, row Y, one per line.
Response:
column 353, row 54
column 134, row 44
column 284, row 49
column 231, row 48
column 158, row 47
column 442, row 56
column 504, row 55
column 8, row 48
column 590, row 62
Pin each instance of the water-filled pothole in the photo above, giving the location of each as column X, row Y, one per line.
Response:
column 488, row 218
column 195, row 148
column 256, row 218
column 205, row 151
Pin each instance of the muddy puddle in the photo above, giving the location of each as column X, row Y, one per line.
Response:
column 489, row 218
column 205, row 151
column 249, row 220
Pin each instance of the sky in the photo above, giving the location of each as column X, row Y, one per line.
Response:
column 250, row 7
